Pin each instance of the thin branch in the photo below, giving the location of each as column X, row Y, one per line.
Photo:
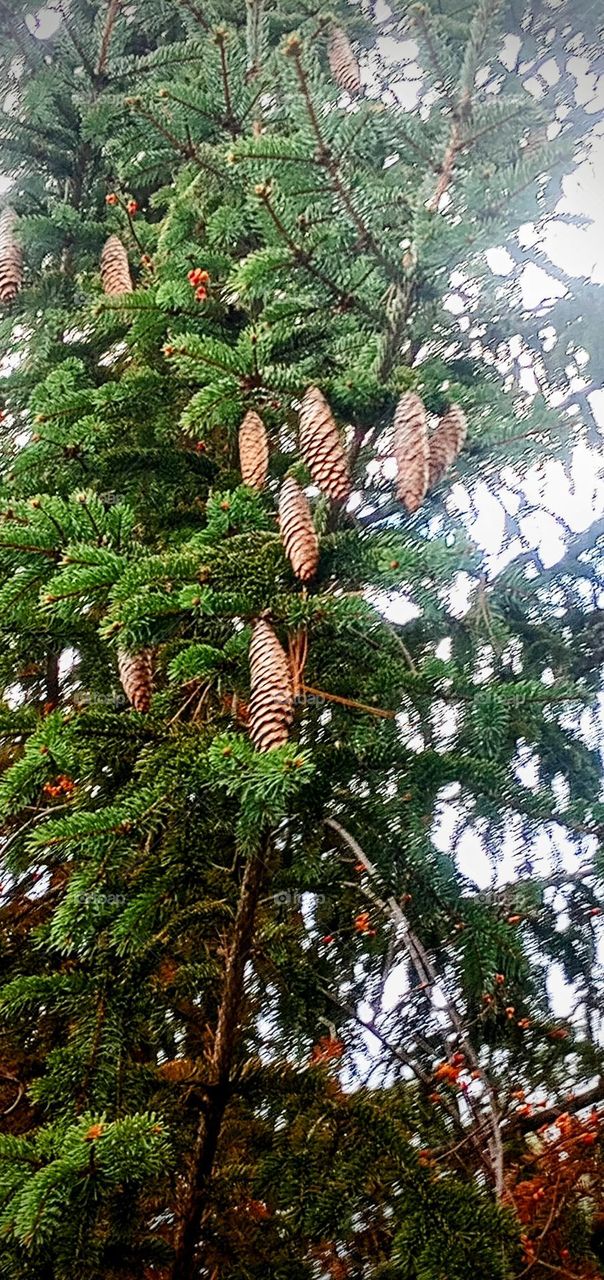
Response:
column 427, row 973
column 112, row 12
column 231, row 122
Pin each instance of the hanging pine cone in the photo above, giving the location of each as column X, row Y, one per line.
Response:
column 253, row 451
column 271, row 698
column 297, row 530
column 411, row 448
column 446, row 442
column 11, row 257
column 343, row 64
column 115, row 269
column 136, row 675
column 321, row 446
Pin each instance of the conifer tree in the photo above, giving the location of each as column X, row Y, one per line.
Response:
column 236, row 412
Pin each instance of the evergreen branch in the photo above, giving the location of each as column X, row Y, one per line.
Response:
column 29, row 547
column 421, row 20
column 326, row 158
column 112, row 12
column 186, row 149
column 348, row 702
column 303, row 258
column 75, row 42
column 196, row 12
column 230, row 119
column 454, row 146
column 171, row 96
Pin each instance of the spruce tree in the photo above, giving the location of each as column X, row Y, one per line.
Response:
column 259, row 685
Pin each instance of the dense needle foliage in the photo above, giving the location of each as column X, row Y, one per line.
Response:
column 254, row 1019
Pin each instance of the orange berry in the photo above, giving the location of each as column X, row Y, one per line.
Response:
column 132, row 207
column 514, row 919
column 201, row 293
column 361, row 923
column 499, row 979
column 111, row 198
column 95, row 1131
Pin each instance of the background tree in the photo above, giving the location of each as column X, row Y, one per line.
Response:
column 258, row 684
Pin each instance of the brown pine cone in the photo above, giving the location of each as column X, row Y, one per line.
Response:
column 298, row 533
column 411, row 450
column 447, row 442
column 136, row 675
column 322, row 448
column 253, row 450
column 271, row 698
column 115, row 269
column 343, row 63
column 11, row 257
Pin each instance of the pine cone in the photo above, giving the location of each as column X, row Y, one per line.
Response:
column 297, row 530
column 115, row 270
column 447, row 442
column 253, row 451
column 343, row 63
column 11, row 257
column 321, row 446
column 271, row 699
column 136, row 675
column 411, row 448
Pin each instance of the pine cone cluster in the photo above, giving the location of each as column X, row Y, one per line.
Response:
column 411, row 447
column 343, row 63
column 253, row 451
column 447, row 442
column 136, row 675
column 297, row 530
column 11, row 257
column 271, row 698
column 115, row 269
column 322, row 448
column 423, row 457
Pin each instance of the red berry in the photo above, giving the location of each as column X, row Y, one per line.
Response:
column 201, row 293
column 132, row 206
column 111, row 199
